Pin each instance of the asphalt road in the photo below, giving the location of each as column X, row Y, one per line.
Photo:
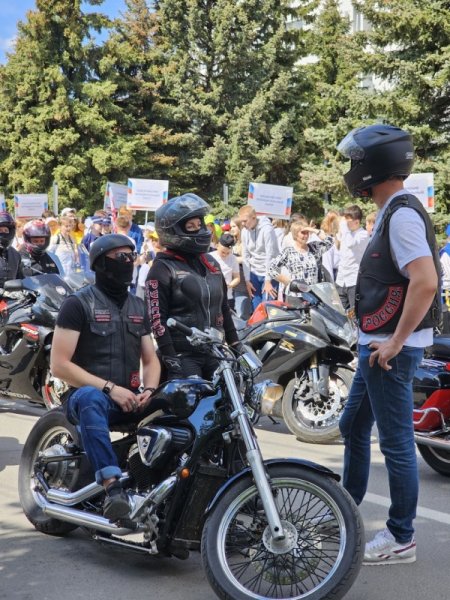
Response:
column 34, row 566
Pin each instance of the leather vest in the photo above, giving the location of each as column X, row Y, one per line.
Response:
column 196, row 300
column 109, row 345
column 381, row 288
column 9, row 265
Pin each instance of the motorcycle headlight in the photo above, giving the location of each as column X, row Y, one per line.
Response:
column 347, row 332
column 266, row 394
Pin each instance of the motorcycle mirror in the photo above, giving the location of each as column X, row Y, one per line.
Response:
column 299, row 286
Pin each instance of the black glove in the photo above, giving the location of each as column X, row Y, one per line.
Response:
column 173, row 367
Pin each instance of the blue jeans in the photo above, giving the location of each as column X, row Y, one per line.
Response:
column 257, row 282
column 93, row 411
column 384, row 397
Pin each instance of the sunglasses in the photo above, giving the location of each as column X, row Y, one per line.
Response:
column 125, row 257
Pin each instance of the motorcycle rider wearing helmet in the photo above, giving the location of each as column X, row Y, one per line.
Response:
column 397, row 306
column 186, row 284
column 102, row 335
column 10, row 261
column 36, row 237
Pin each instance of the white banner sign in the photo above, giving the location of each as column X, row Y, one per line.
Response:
column 271, row 200
column 422, row 186
column 30, row 205
column 115, row 196
column 2, row 202
column 147, row 194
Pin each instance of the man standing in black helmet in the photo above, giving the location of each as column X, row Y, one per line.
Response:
column 101, row 335
column 10, row 262
column 186, row 284
column 397, row 306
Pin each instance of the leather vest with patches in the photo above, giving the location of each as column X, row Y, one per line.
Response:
column 381, row 288
column 109, row 345
column 9, row 265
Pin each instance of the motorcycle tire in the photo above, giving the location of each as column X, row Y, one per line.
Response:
column 437, row 459
column 322, row 552
column 50, row 434
column 317, row 425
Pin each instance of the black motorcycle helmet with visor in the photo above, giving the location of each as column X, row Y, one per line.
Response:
column 36, row 229
column 377, row 153
column 6, row 238
column 170, row 220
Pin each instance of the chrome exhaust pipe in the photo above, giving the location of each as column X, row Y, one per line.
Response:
column 71, row 498
column 81, row 518
column 431, row 442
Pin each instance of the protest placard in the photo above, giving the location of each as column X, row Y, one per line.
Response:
column 422, row 186
column 30, row 205
column 115, row 196
column 147, row 194
column 271, row 200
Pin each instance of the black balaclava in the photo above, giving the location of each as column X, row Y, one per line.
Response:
column 113, row 278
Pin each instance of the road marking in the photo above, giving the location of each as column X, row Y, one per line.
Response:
column 426, row 513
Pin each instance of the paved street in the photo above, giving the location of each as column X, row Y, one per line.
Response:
column 33, row 565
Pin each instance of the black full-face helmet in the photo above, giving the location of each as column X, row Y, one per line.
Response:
column 171, row 218
column 104, row 244
column 36, row 229
column 377, row 152
column 6, row 220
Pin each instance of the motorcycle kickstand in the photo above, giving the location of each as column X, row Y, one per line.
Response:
column 274, row 421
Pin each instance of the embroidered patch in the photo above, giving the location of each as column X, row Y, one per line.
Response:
column 136, row 318
column 135, row 380
column 390, row 307
column 102, row 315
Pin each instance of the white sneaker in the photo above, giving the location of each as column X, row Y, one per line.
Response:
column 384, row 550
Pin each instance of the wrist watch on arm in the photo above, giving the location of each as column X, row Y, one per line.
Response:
column 108, row 387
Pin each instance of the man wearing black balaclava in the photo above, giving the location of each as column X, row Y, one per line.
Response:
column 102, row 333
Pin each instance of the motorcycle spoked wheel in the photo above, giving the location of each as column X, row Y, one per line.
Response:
column 437, row 459
column 312, row 421
column 51, row 434
column 320, row 557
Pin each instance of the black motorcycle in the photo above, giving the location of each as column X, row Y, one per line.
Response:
column 307, row 345
column 279, row 529
column 28, row 311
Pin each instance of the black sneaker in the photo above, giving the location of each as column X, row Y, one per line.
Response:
column 116, row 505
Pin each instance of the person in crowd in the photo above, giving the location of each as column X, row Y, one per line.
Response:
column 186, row 284
column 10, row 261
column 216, row 231
column 77, row 229
column 353, row 244
column 36, row 240
column 279, row 227
column 97, row 224
column 242, row 300
column 17, row 241
column 287, row 240
column 370, row 222
column 397, row 307
column 68, row 212
column 303, row 260
column 101, row 339
column 135, row 232
column 228, row 264
column 64, row 246
column 259, row 247
column 53, row 225
column 147, row 259
column 123, row 226
column 330, row 258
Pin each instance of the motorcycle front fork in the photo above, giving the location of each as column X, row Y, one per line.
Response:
column 319, row 376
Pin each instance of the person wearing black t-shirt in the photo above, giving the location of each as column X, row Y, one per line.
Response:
column 102, row 335
column 186, row 284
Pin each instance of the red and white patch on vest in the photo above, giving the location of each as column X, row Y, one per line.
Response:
column 136, row 319
column 135, row 380
column 102, row 315
column 387, row 311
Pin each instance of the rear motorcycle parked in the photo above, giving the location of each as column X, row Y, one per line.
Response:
column 277, row 529
column 432, row 405
column 306, row 345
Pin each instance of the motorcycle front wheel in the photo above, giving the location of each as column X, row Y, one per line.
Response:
column 436, row 458
column 320, row 556
column 316, row 420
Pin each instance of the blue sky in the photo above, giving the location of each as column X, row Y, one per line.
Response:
column 13, row 11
